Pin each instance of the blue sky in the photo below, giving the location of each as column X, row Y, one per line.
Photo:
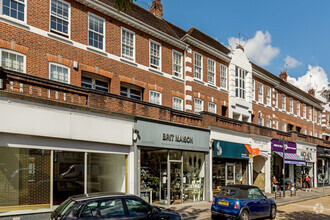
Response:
column 299, row 29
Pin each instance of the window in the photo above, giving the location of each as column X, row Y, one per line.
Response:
column 253, row 89
column 268, row 100
column 276, row 124
column 298, row 108
column 315, row 114
column 155, row 97
column 223, row 76
column 60, row 17
column 315, row 134
column 92, row 83
column 310, row 133
column 320, row 135
column 137, row 207
column 291, row 105
column 178, row 103
column 320, row 114
column 268, row 123
column 127, row 44
column 113, row 207
column 155, row 55
column 90, row 210
column 260, row 121
column 283, row 102
column 260, row 93
column 211, row 71
column 177, row 64
column 310, row 114
column 131, row 91
column 276, row 98
column 14, row 8
column 198, row 103
column 59, row 73
column 284, row 126
column 212, row 107
column 305, row 131
column 198, row 66
column 304, row 110
column 240, row 83
column 96, row 31
column 12, row 61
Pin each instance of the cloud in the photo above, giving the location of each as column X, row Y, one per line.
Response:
column 258, row 48
column 318, row 81
column 291, row 62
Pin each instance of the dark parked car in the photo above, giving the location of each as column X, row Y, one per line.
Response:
column 110, row 206
column 242, row 202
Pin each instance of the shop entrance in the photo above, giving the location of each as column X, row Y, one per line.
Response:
column 230, row 171
column 175, row 182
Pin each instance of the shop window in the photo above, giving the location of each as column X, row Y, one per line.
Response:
column 93, row 82
column 24, row 178
column 131, row 91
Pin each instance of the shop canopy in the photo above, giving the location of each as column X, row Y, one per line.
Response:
column 291, row 158
column 225, row 149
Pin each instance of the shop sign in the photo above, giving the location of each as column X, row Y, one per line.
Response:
column 290, row 147
column 172, row 137
column 306, row 155
column 225, row 149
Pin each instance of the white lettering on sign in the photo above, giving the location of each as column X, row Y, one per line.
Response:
column 177, row 138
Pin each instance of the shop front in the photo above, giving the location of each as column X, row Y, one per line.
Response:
column 323, row 165
column 172, row 163
column 230, row 164
column 308, row 153
column 292, row 162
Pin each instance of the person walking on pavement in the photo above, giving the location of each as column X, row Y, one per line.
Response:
column 307, row 180
column 275, row 183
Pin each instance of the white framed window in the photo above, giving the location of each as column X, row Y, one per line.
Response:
column 155, row 97
column 177, row 64
column 320, row 135
column 310, row 133
column 198, row 105
column 305, row 131
column 315, row 134
column 268, row 96
column 127, row 44
column 12, row 60
column 212, row 107
column 284, row 102
column 131, row 91
column 276, row 98
column 284, row 126
column 59, row 72
column 291, row 105
column 223, row 76
column 260, row 121
column 268, row 123
column 211, row 71
column 320, row 115
column 178, row 103
column 298, row 108
column 14, row 9
column 310, row 114
column 96, row 31
column 315, row 115
column 98, row 83
column 304, row 110
column 198, row 66
column 155, row 55
column 260, row 92
column 60, row 17
column 253, row 89
column 276, row 124
column 240, row 83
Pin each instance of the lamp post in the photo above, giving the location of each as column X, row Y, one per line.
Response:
column 283, row 171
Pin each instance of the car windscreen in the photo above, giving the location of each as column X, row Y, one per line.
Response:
column 232, row 193
column 63, row 209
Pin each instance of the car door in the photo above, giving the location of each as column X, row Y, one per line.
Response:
column 263, row 204
column 252, row 203
column 138, row 209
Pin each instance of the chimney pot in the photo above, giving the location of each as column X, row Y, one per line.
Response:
column 311, row 92
column 240, row 47
column 284, row 76
column 157, row 8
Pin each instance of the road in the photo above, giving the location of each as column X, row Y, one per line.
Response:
column 309, row 209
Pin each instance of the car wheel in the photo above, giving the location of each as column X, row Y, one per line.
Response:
column 272, row 212
column 244, row 215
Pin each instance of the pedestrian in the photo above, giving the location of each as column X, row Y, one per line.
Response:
column 307, row 181
column 275, row 183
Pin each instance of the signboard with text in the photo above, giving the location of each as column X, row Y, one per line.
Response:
column 290, row 147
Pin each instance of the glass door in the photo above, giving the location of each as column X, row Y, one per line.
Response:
column 230, row 171
column 175, row 183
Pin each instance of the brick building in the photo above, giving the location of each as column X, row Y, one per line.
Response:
column 93, row 100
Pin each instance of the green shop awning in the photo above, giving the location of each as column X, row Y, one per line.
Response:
column 223, row 149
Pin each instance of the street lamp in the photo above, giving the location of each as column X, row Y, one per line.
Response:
column 283, row 170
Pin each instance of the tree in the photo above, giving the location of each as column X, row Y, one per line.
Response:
column 123, row 5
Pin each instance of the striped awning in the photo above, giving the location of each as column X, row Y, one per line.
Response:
column 291, row 158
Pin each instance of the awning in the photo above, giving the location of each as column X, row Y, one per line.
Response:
column 291, row 158
column 225, row 149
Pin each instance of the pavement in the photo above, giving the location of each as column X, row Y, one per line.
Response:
column 202, row 210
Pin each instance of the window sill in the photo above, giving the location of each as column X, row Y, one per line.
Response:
column 14, row 21
column 223, row 89
column 178, row 79
column 199, row 81
column 212, row 86
column 154, row 70
column 125, row 60
column 97, row 51
column 59, row 38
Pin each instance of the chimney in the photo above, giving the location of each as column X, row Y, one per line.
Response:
column 311, row 92
column 284, row 76
column 157, row 9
